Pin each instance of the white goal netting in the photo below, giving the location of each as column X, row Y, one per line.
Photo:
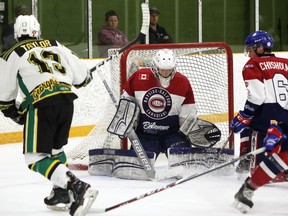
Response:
column 208, row 66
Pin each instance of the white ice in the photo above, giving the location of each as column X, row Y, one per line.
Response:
column 22, row 192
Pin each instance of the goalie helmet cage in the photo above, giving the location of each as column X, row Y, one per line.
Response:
column 207, row 65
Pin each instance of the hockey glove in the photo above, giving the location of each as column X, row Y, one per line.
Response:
column 240, row 122
column 13, row 113
column 272, row 139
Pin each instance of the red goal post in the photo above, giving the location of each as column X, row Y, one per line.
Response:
column 208, row 66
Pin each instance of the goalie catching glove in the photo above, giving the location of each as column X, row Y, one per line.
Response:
column 199, row 132
column 125, row 119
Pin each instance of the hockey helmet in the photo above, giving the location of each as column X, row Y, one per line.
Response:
column 260, row 37
column 164, row 59
column 26, row 25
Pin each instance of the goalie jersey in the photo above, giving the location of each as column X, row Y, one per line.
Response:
column 266, row 82
column 39, row 69
column 162, row 109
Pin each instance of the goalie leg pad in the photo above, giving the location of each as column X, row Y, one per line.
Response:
column 101, row 161
column 118, row 163
column 127, row 165
column 198, row 159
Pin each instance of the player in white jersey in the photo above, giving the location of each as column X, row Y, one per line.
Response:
column 165, row 98
column 43, row 73
column 266, row 81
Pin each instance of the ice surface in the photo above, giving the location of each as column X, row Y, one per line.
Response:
column 22, row 192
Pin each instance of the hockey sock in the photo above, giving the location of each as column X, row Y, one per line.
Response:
column 46, row 166
column 268, row 169
column 61, row 157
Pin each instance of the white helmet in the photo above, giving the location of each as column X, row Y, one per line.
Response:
column 26, row 25
column 164, row 59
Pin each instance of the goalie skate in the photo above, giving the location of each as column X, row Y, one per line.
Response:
column 58, row 200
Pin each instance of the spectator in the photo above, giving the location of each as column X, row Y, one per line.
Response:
column 157, row 34
column 109, row 35
column 7, row 37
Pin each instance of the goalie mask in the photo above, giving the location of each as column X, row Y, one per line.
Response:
column 164, row 66
column 26, row 26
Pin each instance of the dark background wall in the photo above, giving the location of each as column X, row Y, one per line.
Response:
column 223, row 20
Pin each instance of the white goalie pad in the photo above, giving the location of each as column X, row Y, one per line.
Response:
column 188, row 161
column 125, row 119
column 118, row 163
column 199, row 132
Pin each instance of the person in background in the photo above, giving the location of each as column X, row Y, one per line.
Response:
column 7, row 37
column 265, row 77
column 109, row 36
column 157, row 34
column 43, row 72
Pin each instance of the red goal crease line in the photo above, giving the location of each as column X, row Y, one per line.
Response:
column 81, row 131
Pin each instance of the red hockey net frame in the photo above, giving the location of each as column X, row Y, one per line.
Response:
column 199, row 48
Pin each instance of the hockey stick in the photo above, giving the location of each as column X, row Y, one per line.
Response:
column 225, row 143
column 138, row 148
column 122, row 125
column 180, row 181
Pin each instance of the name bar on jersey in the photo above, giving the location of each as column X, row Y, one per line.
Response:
column 273, row 65
column 38, row 43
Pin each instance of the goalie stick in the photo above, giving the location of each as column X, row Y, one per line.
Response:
column 135, row 142
column 180, row 181
column 122, row 125
column 225, row 143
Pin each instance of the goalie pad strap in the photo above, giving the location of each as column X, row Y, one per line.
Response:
column 119, row 152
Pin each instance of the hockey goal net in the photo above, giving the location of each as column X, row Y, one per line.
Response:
column 208, row 66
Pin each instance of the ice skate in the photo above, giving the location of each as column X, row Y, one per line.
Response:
column 81, row 195
column 58, row 199
column 243, row 198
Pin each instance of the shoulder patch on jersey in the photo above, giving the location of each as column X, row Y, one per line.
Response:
column 143, row 76
column 249, row 66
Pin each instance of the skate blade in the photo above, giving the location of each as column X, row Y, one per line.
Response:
column 89, row 198
column 59, row 207
column 240, row 206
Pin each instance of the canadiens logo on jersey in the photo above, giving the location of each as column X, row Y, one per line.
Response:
column 143, row 76
column 157, row 103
